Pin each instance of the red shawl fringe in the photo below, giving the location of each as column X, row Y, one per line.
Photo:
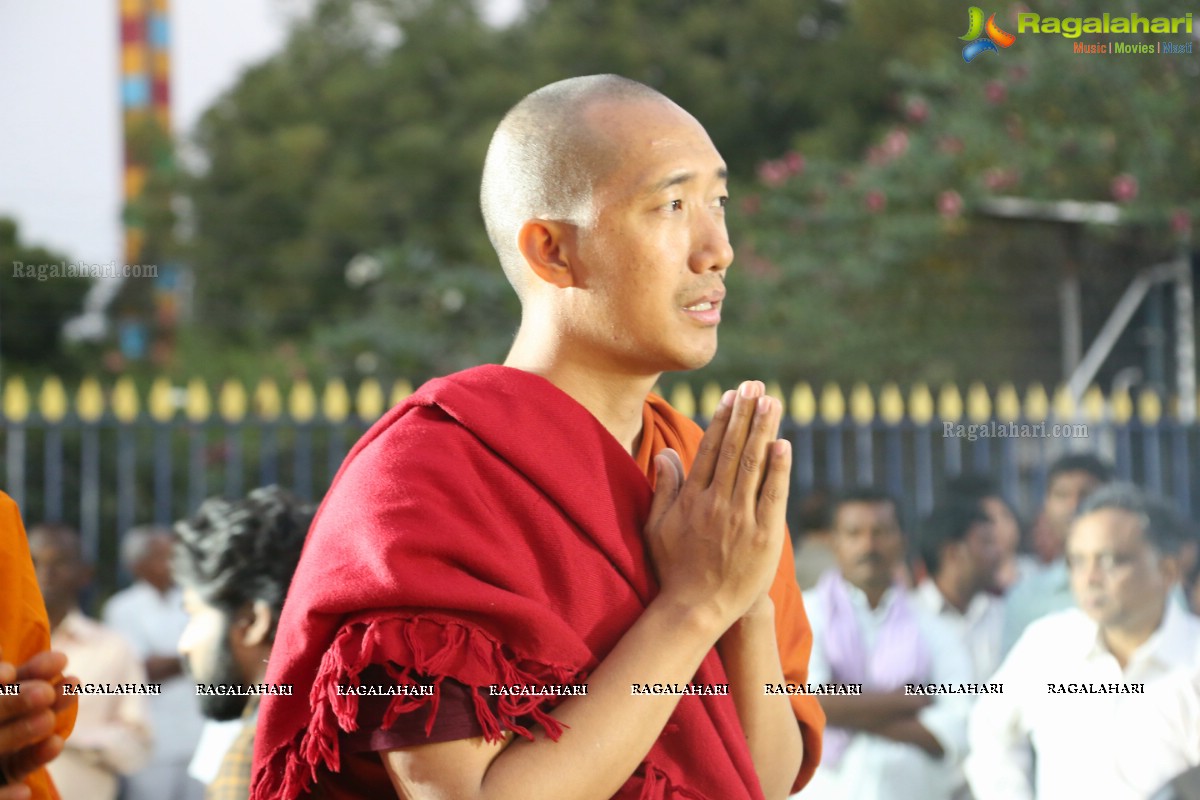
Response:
column 432, row 648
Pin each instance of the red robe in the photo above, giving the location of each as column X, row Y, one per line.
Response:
column 489, row 530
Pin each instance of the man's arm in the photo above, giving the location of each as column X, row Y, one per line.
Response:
column 715, row 544
column 750, row 654
column 872, row 712
column 607, row 732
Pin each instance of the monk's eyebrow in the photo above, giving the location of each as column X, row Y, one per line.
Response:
column 680, row 177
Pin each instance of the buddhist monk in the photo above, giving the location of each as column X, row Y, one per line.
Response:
column 536, row 579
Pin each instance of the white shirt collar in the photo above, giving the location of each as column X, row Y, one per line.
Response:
column 933, row 600
column 1169, row 645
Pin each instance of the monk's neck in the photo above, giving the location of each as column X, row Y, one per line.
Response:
column 615, row 398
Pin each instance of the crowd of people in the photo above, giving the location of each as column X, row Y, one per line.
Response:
column 994, row 671
column 539, row 580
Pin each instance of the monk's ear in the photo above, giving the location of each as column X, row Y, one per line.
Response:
column 546, row 246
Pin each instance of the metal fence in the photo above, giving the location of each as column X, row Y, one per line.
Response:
column 106, row 458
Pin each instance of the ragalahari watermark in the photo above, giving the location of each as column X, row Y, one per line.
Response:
column 1013, row 430
column 83, row 269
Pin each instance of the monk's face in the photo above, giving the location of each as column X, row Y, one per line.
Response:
column 1119, row 579
column 649, row 269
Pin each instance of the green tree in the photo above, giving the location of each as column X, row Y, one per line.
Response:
column 32, row 310
column 890, row 264
column 356, row 144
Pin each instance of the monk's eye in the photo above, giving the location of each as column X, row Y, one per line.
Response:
column 676, row 205
column 723, row 201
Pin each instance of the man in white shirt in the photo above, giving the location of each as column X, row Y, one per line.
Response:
column 150, row 615
column 887, row 742
column 1073, row 675
column 1048, row 588
column 112, row 735
column 961, row 555
column 1168, row 726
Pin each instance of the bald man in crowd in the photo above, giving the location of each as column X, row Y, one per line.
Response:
column 538, row 580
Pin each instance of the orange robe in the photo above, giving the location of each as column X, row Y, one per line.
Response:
column 24, row 628
column 662, row 427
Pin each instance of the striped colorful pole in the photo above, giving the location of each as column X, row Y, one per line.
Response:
column 135, row 101
column 145, row 95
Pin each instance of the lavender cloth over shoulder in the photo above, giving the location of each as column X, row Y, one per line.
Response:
column 899, row 656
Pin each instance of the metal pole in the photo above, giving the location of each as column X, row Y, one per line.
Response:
column 1069, row 304
column 1185, row 337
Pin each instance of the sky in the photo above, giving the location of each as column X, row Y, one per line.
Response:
column 60, row 153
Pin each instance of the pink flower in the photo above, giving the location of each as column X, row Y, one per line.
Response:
column 794, row 162
column 875, row 201
column 895, row 143
column 995, row 92
column 1124, row 188
column 772, row 173
column 949, row 204
column 917, row 110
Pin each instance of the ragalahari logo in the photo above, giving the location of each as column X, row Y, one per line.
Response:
column 983, row 37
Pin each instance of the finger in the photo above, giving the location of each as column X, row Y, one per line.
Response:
column 17, row 792
column 8, row 673
column 31, row 697
column 753, row 466
column 729, row 455
column 21, row 732
column 710, row 446
column 668, row 478
column 38, row 755
column 63, row 701
column 772, row 499
column 45, row 666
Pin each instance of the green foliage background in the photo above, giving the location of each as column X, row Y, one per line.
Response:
column 862, row 147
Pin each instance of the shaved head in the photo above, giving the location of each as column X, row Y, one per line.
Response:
column 544, row 160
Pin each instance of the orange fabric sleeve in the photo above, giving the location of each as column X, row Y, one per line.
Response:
column 795, row 638
column 663, row 426
column 24, row 627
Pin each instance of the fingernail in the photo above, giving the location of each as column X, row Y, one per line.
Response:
column 783, row 447
column 746, row 389
column 764, row 404
column 727, row 398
